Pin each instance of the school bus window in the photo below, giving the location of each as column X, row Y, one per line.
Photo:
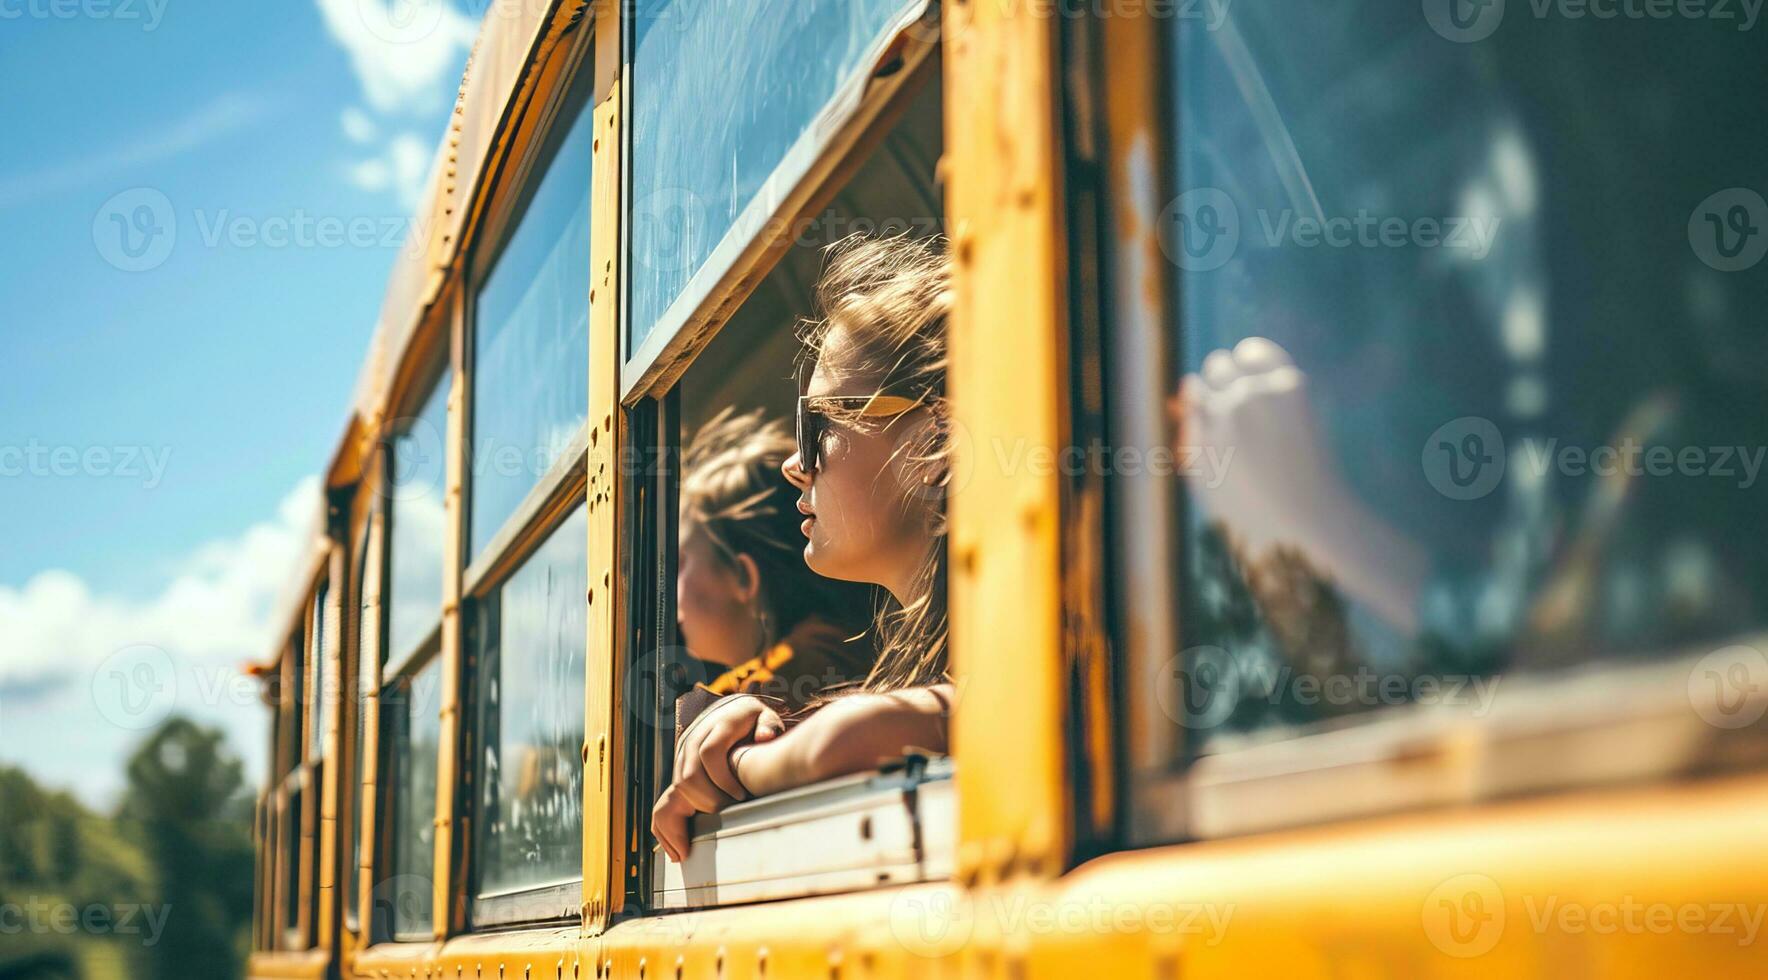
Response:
column 531, row 333
column 367, row 680
column 295, row 718
column 529, row 669
column 417, row 517
column 797, row 579
column 320, row 680
column 289, row 876
column 411, row 709
column 696, row 173
column 1356, row 538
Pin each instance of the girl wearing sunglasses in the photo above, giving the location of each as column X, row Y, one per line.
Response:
column 745, row 601
column 871, row 468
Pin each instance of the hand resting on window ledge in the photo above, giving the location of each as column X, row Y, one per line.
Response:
column 737, row 750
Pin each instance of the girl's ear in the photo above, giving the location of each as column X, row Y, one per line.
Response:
column 748, row 578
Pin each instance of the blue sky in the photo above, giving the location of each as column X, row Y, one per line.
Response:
column 166, row 399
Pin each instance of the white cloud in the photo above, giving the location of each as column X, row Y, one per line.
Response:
column 402, row 167
column 370, row 175
column 57, row 635
column 406, row 55
column 357, row 126
column 403, row 51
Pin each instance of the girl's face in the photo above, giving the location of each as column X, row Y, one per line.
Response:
column 715, row 603
column 861, row 521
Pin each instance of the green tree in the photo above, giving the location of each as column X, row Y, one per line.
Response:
column 187, row 806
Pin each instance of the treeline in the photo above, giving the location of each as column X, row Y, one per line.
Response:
column 161, row 888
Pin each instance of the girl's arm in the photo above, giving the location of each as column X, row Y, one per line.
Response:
column 851, row 734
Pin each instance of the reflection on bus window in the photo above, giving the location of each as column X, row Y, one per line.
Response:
column 1482, row 395
column 531, row 339
column 412, row 708
column 366, row 682
column 531, row 635
column 324, row 681
column 757, row 73
column 418, row 518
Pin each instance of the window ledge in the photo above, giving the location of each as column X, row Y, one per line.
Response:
column 883, row 828
column 1601, row 725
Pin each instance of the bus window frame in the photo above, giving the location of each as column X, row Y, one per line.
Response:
column 386, row 814
column 436, row 374
column 1552, row 733
column 830, row 150
column 648, row 387
column 541, row 904
column 430, row 366
column 522, row 177
column 553, row 498
column 353, row 718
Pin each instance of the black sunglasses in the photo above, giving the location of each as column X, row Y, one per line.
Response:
column 812, row 419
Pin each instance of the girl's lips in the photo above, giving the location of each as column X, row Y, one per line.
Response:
column 805, row 527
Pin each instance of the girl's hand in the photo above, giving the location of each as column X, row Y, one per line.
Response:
column 851, row 734
column 704, row 780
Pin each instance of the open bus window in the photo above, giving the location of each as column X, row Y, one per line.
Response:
column 744, row 613
column 1463, row 389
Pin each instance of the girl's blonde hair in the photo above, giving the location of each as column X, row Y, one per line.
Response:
column 890, row 297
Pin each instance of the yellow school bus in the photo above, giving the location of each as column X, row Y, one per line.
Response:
column 1356, row 564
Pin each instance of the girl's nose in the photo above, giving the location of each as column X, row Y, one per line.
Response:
column 793, row 467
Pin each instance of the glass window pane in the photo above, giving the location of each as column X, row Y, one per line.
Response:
column 415, row 707
column 295, row 741
column 367, row 679
column 531, row 336
column 530, row 673
column 418, row 519
column 289, row 825
column 323, row 681
column 756, row 73
column 1469, row 386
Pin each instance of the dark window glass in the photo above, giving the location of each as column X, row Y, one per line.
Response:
column 723, row 90
column 418, row 519
column 530, row 675
column 296, row 742
column 414, row 708
column 289, row 825
column 531, row 335
column 1471, row 361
